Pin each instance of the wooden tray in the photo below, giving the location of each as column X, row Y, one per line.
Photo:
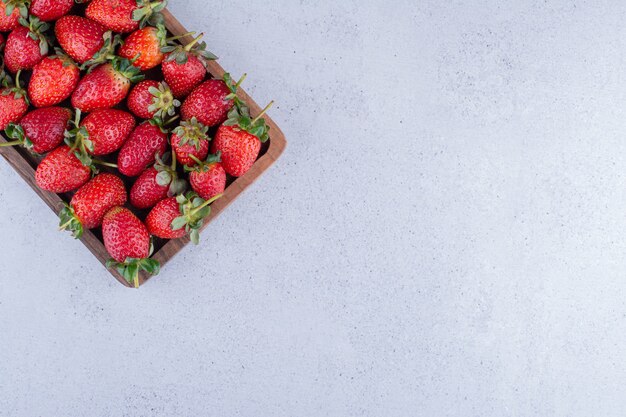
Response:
column 25, row 164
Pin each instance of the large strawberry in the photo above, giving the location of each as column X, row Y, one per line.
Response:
column 86, row 41
column 208, row 177
column 190, row 142
column 140, row 150
column 150, row 99
column 41, row 130
column 125, row 16
column 143, row 47
column 91, row 202
column 106, row 86
column 239, row 140
column 128, row 242
column 175, row 217
column 27, row 45
column 184, row 67
column 210, row 102
column 53, row 80
column 156, row 183
column 49, row 10
column 100, row 133
column 10, row 12
column 13, row 100
column 61, row 171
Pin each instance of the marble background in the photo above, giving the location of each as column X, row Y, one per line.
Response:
column 443, row 237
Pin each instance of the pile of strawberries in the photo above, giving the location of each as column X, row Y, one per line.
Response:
column 111, row 99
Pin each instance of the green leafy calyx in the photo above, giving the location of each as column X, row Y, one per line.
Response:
column 70, row 222
column 193, row 132
column 168, row 176
column 164, row 104
column 149, row 12
column 193, row 210
column 240, row 118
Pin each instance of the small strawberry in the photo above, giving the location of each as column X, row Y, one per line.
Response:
column 106, row 86
column 239, row 139
column 91, row 202
column 13, row 101
column 100, row 133
column 10, row 12
column 141, row 148
column 143, row 47
column 211, row 101
column 155, row 184
column 190, row 142
column 150, row 99
column 49, row 10
column 175, row 217
column 125, row 16
column 128, row 242
column 53, row 80
column 26, row 45
column 208, row 177
column 41, row 130
column 184, row 67
column 61, row 171
column 86, row 41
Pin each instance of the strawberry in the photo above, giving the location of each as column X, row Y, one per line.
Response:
column 239, row 139
column 155, row 184
column 125, row 16
column 61, row 171
column 13, row 101
column 86, row 41
column 53, row 80
column 49, row 10
column 41, row 130
column 26, row 45
column 101, row 133
column 128, row 242
column 150, row 99
column 184, row 67
column 211, row 101
column 106, row 86
column 91, row 202
column 1, row 41
column 208, row 177
column 190, row 142
column 141, row 148
column 10, row 12
column 144, row 47
column 175, row 217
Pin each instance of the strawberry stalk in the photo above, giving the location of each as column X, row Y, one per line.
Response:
column 15, row 131
column 194, row 210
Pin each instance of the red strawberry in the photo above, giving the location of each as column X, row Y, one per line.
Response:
column 150, row 99
column 53, row 80
column 190, row 142
column 128, row 242
column 86, row 41
column 106, row 86
column 184, row 67
column 141, row 148
column 41, row 130
column 125, row 15
column 175, row 217
column 210, row 103
column 61, row 171
column 155, row 184
column 26, row 45
column 145, row 45
column 91, row 202
column 208, row 178
column 10, row 12
column 13, row 101
column 239, row 140
column 101, row 133
column 49, row 10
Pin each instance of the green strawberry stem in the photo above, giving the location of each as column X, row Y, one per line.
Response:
column 241, row 80
column 104, row 164
column 256, row 119
column 12, row 143
column 191, row 44
column 206, row 203
column 184, row 35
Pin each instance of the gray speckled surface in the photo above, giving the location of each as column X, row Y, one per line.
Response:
column 443, row 237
